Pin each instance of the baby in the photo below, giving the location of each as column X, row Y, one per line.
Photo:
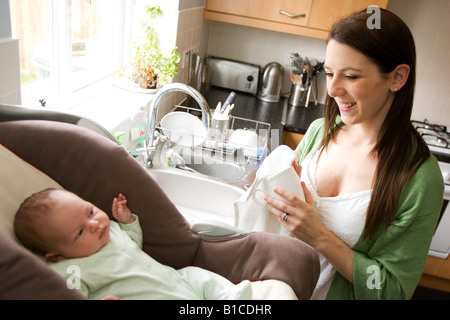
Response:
column 100, row 257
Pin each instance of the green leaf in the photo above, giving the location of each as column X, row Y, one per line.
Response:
column 149, row 59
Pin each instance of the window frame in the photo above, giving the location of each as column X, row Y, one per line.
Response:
column 61, row 92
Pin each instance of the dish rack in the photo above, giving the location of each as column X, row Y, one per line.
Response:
column 220, row 142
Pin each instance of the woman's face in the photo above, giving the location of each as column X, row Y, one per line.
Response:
column 361, row 92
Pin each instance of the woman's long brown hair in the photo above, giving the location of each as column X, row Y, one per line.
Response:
column 399, row 148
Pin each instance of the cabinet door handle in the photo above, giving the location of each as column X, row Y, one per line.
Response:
column 290, row 15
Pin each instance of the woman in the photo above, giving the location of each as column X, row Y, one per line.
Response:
column 375, row 192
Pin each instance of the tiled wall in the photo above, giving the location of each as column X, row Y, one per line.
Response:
column 191, row 35
column 9, row 71
column 261, row 47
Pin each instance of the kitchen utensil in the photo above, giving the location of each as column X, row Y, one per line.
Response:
column 297, row 92
column 319, row 70
column 198, row 73
column 216, row 113
column 270, row 85
column 219, row 123
column 206, row 79
column 307, row 71
column 296, row 63
column 230, row 99
column 308, row 95
column 192, row 79
column 183, row 128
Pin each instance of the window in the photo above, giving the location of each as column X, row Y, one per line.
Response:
column 66, row 45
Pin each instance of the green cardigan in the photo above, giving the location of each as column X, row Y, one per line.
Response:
column 389, row 266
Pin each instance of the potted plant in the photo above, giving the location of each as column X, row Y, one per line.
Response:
column 151, row 66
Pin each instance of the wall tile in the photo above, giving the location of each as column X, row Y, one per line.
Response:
column 261, row 47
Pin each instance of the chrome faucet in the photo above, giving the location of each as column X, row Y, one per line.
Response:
column 152, row 140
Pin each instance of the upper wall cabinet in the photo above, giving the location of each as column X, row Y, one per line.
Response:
column 311, row 18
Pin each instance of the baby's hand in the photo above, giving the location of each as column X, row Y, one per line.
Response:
column 120, row 210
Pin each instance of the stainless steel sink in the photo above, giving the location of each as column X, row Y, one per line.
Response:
column 218, row 168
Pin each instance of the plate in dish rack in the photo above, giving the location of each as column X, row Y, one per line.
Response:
column 183, row 128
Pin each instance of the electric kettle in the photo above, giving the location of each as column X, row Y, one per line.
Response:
column 270, row 83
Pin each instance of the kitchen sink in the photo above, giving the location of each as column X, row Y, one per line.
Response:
column 218, row 168
column 207, row 204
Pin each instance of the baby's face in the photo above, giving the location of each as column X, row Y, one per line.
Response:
column 79, row 228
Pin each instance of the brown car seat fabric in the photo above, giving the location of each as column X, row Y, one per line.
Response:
column 25, row 277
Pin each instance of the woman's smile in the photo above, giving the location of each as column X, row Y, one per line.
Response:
column 346, row 106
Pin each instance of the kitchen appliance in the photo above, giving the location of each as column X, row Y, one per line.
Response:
column 270, row 83
column 437, row 138
column 234, row 75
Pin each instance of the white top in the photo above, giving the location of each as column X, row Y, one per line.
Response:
column 344, row 215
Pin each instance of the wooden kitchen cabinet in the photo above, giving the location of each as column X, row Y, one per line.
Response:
column 319, row 15
column 264, row 9
column 436, row 274
column 292, row 139
column 325, row 12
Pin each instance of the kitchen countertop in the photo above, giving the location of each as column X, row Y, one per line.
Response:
column 298, row 119
column 294, row 119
